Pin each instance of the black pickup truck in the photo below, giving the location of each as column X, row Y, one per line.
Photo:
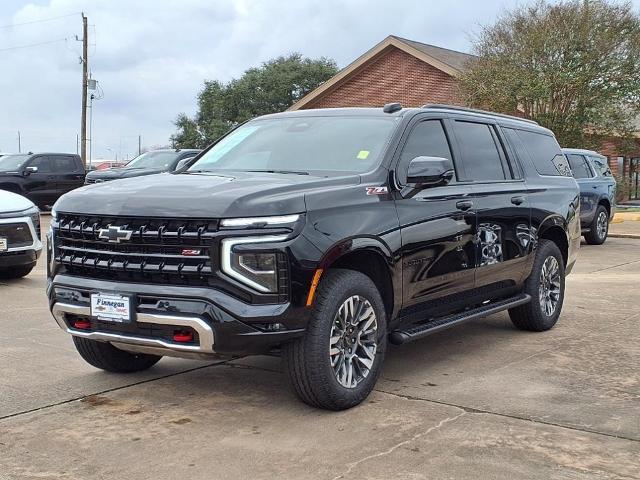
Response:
column 41, row 177
column 321, row 235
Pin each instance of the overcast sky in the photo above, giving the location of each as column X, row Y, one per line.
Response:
column 152, row 56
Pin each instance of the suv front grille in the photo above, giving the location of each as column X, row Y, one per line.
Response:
column 17, row 234
column 167, row 251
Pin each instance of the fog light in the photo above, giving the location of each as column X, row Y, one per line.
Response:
column 182, row 336
column 82, row 324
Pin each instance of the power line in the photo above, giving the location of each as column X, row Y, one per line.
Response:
column 33, row 44
column 39, row 21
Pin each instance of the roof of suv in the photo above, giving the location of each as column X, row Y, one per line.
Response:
column 582, row 151
column 379, row 112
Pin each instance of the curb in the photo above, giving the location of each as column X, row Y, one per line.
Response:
column 635, row 236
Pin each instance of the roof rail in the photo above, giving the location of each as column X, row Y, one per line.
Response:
column 475, row 110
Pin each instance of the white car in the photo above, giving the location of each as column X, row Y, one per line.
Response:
column 20, row 244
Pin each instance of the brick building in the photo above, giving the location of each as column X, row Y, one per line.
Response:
column 414, row 73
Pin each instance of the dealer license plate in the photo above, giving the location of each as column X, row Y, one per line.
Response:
column 4, row 246
column 111, row 307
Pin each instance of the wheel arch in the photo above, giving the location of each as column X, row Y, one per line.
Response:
column 555, row 229
column 11, row 187
column 606, row 203
column 371, row 257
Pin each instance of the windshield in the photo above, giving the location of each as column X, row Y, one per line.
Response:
column 301, row 144
column 153, row 160
column 10, row 163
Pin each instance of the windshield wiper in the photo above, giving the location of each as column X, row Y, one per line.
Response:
column 294, row 172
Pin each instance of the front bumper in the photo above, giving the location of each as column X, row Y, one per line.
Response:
column 24, row 254
column 219, row 323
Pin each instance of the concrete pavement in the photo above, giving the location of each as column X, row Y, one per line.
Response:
column 480, row 401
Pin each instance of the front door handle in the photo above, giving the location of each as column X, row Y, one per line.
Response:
column 464, row 205
column 517, row 200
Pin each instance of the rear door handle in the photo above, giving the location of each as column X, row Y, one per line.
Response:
column 464, row 205
column 517, row 200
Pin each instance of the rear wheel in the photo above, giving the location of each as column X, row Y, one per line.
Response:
column 599, row 230
column 105, row 356
column 545, row 285
column 337, row 363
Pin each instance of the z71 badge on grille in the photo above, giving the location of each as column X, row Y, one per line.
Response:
column 114, row 234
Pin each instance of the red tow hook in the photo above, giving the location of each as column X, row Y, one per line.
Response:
column 82, row 324
column 182, row 336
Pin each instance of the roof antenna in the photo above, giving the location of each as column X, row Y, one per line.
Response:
column 392, row 107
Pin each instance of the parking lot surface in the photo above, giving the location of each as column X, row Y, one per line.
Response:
column 479, row 401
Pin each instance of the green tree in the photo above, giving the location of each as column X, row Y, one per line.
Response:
column 270, row 88
column 572, row 66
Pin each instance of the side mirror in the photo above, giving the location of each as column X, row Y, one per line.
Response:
column 29, row 170
column 425, row 172
column 183, row 162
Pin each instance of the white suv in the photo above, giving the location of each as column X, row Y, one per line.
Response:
column 20, row 244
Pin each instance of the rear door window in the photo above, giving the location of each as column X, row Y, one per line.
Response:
column 64, row 164
column 545, row 153
column 427, row 139
column 601, row 165
column 579, row 166
column 480, row 151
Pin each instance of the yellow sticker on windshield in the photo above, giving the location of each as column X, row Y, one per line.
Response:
column 363, row 154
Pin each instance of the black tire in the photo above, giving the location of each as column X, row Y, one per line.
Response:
column 17, row 272
column 532, row 316
column 596, row 235
column 105, row 356
column 307, row 360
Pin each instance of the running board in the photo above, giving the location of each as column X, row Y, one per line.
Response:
column 398, row 337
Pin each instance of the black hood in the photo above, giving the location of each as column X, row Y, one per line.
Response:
column 237, row 194
column 116, row 173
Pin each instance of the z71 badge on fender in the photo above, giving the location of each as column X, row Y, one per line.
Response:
column 377, row 190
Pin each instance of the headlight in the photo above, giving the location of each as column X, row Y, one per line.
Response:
column 260, row 221
column 35, row 218
column 258, row 270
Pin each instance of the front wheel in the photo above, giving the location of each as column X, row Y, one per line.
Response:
column 337, row 363
column 545, row 285
column 599, row 230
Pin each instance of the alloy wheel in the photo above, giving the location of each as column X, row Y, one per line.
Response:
column 602, row 225
column 353, row 343
column 550, row 285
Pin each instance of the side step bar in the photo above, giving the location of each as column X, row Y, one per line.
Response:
column 398, row 337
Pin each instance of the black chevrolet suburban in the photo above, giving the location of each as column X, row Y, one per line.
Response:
column 41, row 177
column 320, row 235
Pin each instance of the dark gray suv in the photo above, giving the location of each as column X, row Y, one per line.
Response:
column 597, row 192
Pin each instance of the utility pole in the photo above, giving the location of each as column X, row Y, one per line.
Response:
column 19, row 146
column 85, row 68
column 139, row 144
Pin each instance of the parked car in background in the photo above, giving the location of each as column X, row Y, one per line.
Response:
column 105, row 165
column 20, row 243
column 41, row 177
column 597, row 192
column 155, row 161
column 320, row 234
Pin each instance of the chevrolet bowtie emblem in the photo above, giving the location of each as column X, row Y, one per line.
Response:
column 114, row 234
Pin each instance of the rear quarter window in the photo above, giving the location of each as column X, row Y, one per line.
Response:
column 544, row 152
